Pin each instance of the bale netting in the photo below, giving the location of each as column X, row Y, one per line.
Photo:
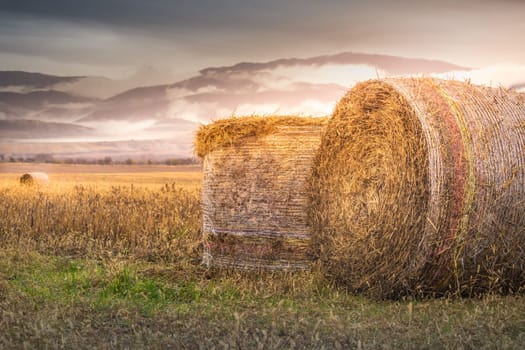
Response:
column 254, row 195
column 35, row 178
column 418, row 189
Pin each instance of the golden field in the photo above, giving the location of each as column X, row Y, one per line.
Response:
column 64, row 177
column 104, row 211
column 110, row 257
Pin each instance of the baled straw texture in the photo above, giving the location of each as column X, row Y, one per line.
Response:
column 418, row 189
column 254, row 196
column 34, row 178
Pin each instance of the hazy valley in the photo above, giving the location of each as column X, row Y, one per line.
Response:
column 93, row 117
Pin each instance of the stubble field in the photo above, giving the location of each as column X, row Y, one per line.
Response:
column 109, row 257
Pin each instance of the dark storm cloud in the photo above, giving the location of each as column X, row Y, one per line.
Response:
column 167, row 17
column 115, row 11
column 190, row 35
column 158, row 13
column 136, row 13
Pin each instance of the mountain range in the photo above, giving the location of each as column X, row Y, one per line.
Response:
column 56, row 114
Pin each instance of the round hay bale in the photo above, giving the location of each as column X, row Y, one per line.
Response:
column 35, row 178
column 254, row 190
column 418, row 189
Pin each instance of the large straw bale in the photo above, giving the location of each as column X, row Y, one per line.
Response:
column 34, row 178
column 254, row 190
column 418, row 188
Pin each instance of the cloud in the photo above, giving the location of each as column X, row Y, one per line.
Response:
column 202, row 112
column 506, row 75
column 113, row 36
column 309, row 86
column 174, row 93
column 116, row 130
column 315, row 108
column 257, row 109
column 305, row 108
column 301, row 87
column 345, row 75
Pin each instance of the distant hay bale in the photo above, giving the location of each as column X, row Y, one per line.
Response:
column 418, row 188
column 35, row 178
column 254, row 190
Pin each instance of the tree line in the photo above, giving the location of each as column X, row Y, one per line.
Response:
column 107, row 160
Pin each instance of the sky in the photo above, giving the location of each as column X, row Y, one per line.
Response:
column 114, row 38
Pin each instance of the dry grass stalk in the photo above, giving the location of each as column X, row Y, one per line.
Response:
column 254, row 197
column 160, row 225
column 418, row 188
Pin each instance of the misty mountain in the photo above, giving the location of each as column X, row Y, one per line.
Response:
column 44, row 105
column 32, row 80
column 281, row 84
column 36, row 129
column 66, row 106
column 133, row 105
column 392, row 64
column 85, row 86
column 40, row 99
